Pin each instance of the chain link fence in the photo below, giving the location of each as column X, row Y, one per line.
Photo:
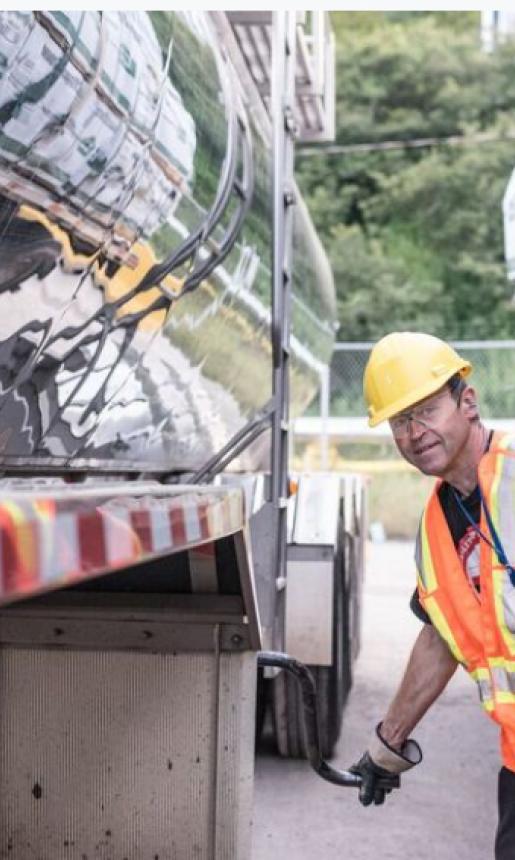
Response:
column 493, row 377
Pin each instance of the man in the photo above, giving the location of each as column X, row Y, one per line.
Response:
column 466, row 586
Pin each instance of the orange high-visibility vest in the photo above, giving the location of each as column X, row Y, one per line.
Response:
column 478, row 628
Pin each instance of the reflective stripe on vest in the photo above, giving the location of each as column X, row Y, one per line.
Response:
column 423, row 558
column 503, row 679
column 440, row 622
column 495, row 686
column 484, row 686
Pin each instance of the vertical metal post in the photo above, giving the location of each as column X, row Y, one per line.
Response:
column 324, row 416
column 318, row 31
column 283, row 92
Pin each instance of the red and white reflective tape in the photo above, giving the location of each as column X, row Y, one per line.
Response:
column 61, row 538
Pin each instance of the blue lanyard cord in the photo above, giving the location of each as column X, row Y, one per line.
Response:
column 495, row 543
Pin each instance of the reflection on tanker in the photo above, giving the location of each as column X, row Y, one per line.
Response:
column 134, row 245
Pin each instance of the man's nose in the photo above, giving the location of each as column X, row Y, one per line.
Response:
column 416, row 428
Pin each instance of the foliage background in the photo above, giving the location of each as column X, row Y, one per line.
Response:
column 415, row 235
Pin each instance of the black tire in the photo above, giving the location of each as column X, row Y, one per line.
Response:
column 287, row 717
column 262, row 698
column 332, row 682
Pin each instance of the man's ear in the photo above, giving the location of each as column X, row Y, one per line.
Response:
column 468, row 401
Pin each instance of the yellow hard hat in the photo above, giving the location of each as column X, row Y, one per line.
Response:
column 405, row 367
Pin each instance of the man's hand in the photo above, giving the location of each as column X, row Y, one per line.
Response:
column 380, row 767
column 376, row 782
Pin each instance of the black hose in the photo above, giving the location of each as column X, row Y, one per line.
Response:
column 309, row 702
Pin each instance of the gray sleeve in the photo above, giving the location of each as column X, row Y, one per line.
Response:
column 417, row 608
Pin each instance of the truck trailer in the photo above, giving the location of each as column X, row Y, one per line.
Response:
column 167, row 309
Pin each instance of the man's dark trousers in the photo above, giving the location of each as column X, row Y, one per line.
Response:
column 505, row 838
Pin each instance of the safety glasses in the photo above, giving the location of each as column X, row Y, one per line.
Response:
column 430, row 414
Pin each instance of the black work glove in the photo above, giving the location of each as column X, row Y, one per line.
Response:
column 381, row 765
column 376, row 782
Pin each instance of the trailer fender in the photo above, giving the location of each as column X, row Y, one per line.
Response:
column 315, row 510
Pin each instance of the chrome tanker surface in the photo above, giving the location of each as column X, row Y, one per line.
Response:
column 135, row 246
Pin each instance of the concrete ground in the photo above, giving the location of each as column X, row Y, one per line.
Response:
column 446, row 807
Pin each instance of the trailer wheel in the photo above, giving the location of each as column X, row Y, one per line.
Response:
column 333, row 682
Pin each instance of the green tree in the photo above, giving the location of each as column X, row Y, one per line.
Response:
column 379, row 285
column 449, row 221
column 415, row 236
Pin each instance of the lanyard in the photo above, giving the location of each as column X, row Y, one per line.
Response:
column 495, row 543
